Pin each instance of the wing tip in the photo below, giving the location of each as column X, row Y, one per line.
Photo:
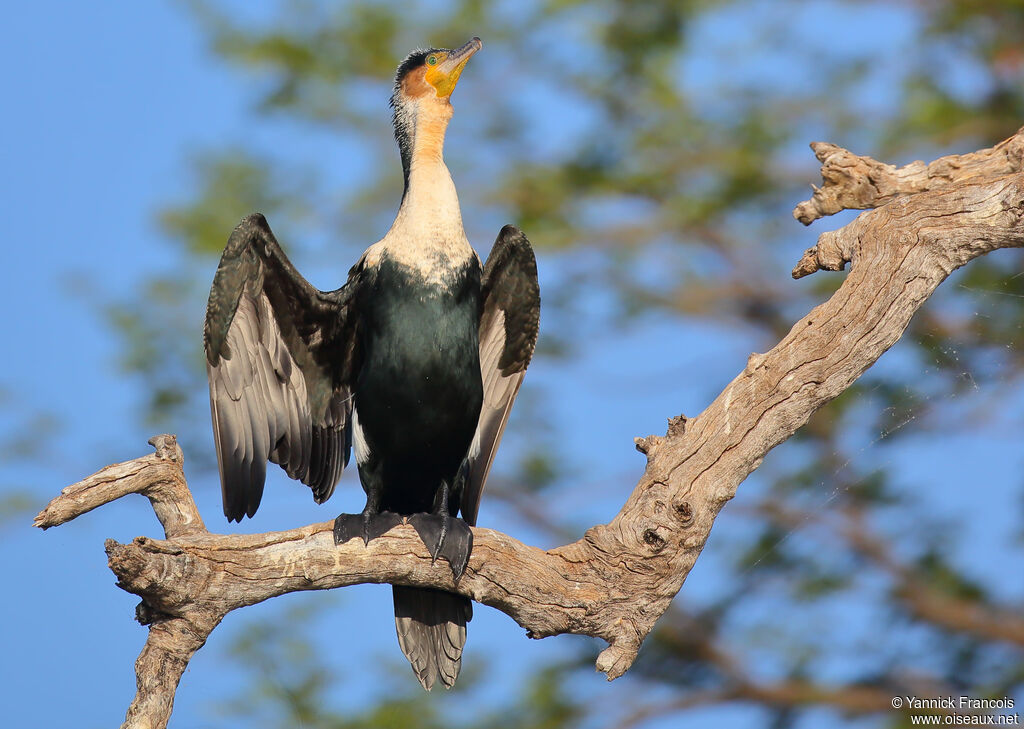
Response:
column 254, row 220
column 241, row 500
column 510, row 231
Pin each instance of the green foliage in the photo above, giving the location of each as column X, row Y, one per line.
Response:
column 30, row 439
column 984, row 38
column 27, row 441
column 289, row 683
column 16, row 506
column 937, row 570
column 538, row 470
column 232, row 185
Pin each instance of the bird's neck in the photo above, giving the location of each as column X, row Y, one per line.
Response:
column 430, row 204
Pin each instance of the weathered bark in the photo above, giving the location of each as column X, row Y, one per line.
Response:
column 620, row 577
column 852, row 182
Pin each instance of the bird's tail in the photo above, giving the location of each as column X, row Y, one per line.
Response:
column 431, row 627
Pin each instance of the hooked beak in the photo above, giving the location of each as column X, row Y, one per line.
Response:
column 447, row 73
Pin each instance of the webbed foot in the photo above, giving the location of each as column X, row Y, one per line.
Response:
column 365, row 525
column 445, row 536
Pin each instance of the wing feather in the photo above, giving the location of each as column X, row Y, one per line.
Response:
column 280, row 358
column 509, row 322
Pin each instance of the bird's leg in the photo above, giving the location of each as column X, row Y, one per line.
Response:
column 443, row 534
column 371, row 523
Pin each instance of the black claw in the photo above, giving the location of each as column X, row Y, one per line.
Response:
column 429, row 527
column 364, row 525
column 347, row 526
column 457, row 546
column 445, row 536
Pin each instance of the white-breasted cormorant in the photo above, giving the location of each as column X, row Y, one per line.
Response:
column 416, row 361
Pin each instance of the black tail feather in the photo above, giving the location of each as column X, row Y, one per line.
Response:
column 431, row 626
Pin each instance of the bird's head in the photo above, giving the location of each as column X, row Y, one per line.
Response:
column 429, row 76
column 424, row 84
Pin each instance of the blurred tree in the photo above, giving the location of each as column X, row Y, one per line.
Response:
column 24, row 432
column 653, row 153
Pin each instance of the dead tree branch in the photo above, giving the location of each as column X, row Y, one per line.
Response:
column 620, row 577
column 852, row 182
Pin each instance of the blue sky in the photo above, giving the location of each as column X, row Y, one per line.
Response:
column 104, row 103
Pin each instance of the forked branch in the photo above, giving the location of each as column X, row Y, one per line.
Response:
column 620, row 577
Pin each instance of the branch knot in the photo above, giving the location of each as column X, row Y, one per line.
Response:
column 167, row 448
column 832, row 253
column 684, row 512
column 676, row 426
column 648, row 445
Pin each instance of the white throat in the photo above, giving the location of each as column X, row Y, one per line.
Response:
column 427, row 235
column 430, row 208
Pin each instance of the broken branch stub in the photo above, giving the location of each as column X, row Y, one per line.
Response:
column 853, row 182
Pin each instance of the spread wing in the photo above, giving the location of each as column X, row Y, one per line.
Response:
column 509, row 319
column 280, row 356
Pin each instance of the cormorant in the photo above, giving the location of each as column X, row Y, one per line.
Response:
column 416, row 361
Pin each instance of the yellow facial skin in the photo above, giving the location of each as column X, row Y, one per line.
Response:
column 443, row 68
column 443, row 83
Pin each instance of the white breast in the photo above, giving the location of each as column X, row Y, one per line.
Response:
column 427, row 235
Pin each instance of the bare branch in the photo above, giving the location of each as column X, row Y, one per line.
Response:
column 169, row 647
column 620, row 577
column 158, row 476
column 852, row 182
column 955, row 225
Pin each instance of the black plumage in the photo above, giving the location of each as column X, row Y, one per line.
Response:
column 509, row 322
column 415, row 362
column 280, row 357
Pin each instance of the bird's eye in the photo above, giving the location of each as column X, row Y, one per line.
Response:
column 432, row 60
